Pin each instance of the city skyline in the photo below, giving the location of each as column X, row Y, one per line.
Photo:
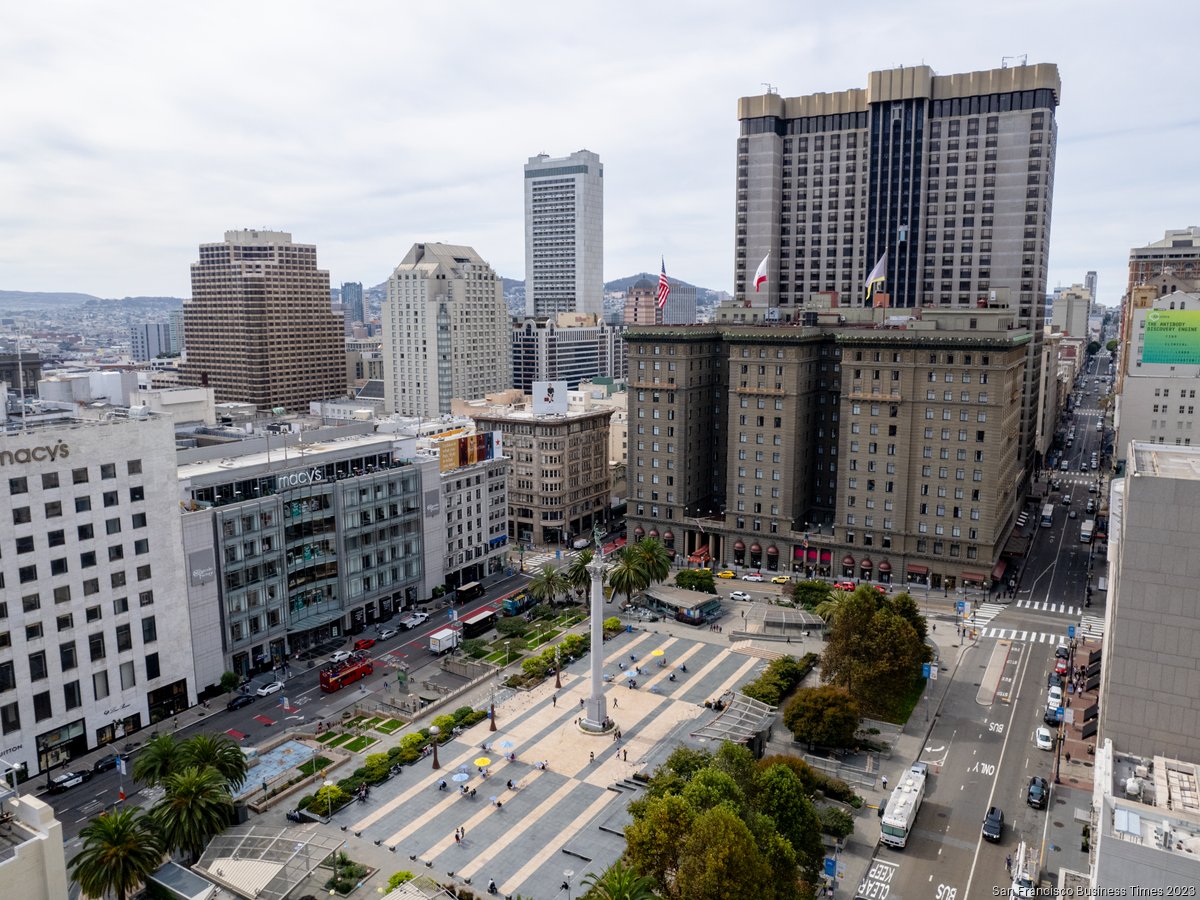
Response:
column 133, row 171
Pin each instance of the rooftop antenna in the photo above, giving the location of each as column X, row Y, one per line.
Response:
column 771, row 89
column 1023, row 57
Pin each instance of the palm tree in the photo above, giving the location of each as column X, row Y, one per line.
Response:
column 627, row 575
column 656, row 559
column 119, row 850
column 547, row 584
column 829, row 608
column 215, row 751
column 620, row 882
column 577, row 574
column 195, row 806
column 158, row 759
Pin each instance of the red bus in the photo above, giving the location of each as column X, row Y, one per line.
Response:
column 336, row 677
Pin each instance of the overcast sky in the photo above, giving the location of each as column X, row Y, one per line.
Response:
column 132, row 132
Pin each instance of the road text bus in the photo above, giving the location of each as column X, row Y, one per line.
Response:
column 1047, row 515
column 902, row 807
column 468, row 591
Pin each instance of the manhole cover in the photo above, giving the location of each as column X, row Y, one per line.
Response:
column 941, row 815
column 1058, row 824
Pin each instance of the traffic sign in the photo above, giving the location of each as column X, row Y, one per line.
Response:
column 1071, row 631
column 925, row 670
column 830, row 867
column 1059, row 713
column 961, row 604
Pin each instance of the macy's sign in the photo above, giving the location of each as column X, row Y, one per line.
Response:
column 23, row 455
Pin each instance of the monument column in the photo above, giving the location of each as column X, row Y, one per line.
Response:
column 596, row 708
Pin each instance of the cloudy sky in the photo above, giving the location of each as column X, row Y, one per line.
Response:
column 132, row 132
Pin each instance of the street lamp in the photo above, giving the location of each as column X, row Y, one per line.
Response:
column 566, row 885
column 507, row 654
column 1060, row 740
column 557, row 667
column 329, row 797
column 434, row 731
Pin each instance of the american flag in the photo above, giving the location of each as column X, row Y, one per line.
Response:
column 664, row 286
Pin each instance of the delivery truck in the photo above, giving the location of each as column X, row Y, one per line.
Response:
column 443, row 641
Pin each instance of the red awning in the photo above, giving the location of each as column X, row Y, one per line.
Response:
column 914, row 569
column 755, row 548
column 700, row 554
column 812, row 554
column 885, row 566
column 847, row 560
column 973, row 576
column 772, row 550
column 998, row 572
column 654, row 532
column 639, row 530
column 669, row 536
column 866, row 563
column 738, row 545
column 826, row 555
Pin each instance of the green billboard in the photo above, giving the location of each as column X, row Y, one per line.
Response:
column 1172, row 336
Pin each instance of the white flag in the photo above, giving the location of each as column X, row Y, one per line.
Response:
column 760, row 274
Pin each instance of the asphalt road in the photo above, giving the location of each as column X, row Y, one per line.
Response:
column 76, row 806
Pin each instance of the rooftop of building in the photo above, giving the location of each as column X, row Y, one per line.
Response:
column 50, row 417
column 292, row 453
column 1164, row 461
column 1174, row 237
column 1156, row 801
column 525, row 414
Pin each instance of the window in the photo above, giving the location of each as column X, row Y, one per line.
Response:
column 56, row 538
column 111, row 498
column 108, row 470
column 146, row 598
column 83, row 504
column 100, row 684
column 141, row 546
column 53, row 509
column 152, row 667
column 31, row 603
column 33, row 631
column 88, row 559
column 149, row 630
column 128, row 679
column 96, row 646
column 120, row 605
column 136, row 493
column 18, row 486
column 86, row 533
column 116, row 553
column 67, row 657
column 124, row 638
column 37, row 666
column 139, row 520
column 72, row 696
column 134, row 467
column 65, row 622
column 21, row 515
column 27, row 574
column 143, row 572
column 79, row 476
column 112, row 526
column 8, row 676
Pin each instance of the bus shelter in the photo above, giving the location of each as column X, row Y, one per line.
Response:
column 689, row 607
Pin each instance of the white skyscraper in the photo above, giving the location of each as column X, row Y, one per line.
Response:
column 445, row 331
column 564, row 234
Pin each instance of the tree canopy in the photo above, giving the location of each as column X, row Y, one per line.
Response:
column 811, row 594
column 826, row 716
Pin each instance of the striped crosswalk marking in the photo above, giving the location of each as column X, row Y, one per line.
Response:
column 1092, row 627
column 1029, row 637
column 1048, row 606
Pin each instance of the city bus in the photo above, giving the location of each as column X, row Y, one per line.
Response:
column 478, row 623
column 468, row 591
column 1047, row 515
column 339, row 675
column 902, row 807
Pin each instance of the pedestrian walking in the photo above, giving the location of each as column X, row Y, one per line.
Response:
column 625, row 755
column 591, row 756
column 614, row 702
column 884, row 779
column 580, row 702
column 554, row 700
column 1008, row 862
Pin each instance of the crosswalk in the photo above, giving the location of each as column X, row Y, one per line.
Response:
column 1029, row 637
column 535, row 561
column 1092, row 627
column 1046, row 606
column 985, row 613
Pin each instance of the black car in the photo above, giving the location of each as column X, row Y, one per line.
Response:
column 239, row 701
column 1050, row 716
column 1038, row 792
column 1053, row 679
column 993, row 824
column 104, row 763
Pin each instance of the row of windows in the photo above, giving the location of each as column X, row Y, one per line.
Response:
column 23, row 515
column 50, row 480
column 10, row 716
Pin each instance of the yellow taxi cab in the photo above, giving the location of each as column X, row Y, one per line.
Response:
column 726, row 574
column 780, row 579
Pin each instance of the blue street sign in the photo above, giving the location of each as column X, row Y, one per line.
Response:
column 961, row 605
column 1070, row 631
column 831, row 867
column 1059, row 714
column 924, row 670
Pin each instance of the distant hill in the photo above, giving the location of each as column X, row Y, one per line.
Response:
column 67, row 298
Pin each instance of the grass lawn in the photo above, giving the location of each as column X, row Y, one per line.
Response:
column 372, row 722
column 351, row 723
column 360, row 743
column 314, row 765
column 501, row 658
column 907, row 703
column 391, row 726
column 327, row 737
column 537, row 640
column 338, row 740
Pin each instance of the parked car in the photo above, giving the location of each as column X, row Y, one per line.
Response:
column 1061, row 652
column 993, row 824
column 1043, row 739
column 781, row 579
column 740, row 595
column 753, row 576
column 1091, row 505
column 1050, row 716
column 272, row 688
column 1053, row 679
column 104, row 763
column 1054, row 696
column 1060, row 667
column 843, row 585
column 726, row 574
column 340, row 656
column 364, row 643
column 1073, row 514
column 1037, row 794
column 239, row 701
column 387, row 633
column 66, row 780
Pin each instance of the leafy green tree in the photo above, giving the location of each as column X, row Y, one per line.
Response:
column 720, row 858
column 655, row 559
column 811, row 594
column 1093, row 348
column 836, row 822
column 548, row 584
column 399, row 878
column 217, row 752
column 696, row 580
column 677, row 770
column 577, row 575
column 906, row 607
column 1111, row 346
column 827, row 716
column 844, row 658
column 196, row 805
column 893, row 664
column 712, row 787
column 230, row 681
column 736, row 761
column 627, row 574
column 783, row 798
column 656, row 839
column 158, row 759
column 619, row 882
column 120, row 849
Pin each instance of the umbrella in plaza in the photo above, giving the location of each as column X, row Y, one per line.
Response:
column 506, row 745
column 463, row 767
column 631, row 674
column 460, row 776
column 657, row 652
column 483, row 761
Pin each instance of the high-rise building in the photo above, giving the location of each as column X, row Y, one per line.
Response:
column 445, row 331
column 1071, row 309
column 564, row 234
column 95, row 610
column 1090, row 282
column 259, row 327
column 567, row 347
column 641, row 303
column 950, row 176
column 680, row 308
column 150, row 340
column 175, row 329
column 859, row 445
column 1177, row 255
column 352, row 301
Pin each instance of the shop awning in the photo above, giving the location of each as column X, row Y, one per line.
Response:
column 739, row 545
column 669, row 537
column 974, row 576
column 812, row 554
column 639, row 531
column 848, row 560
column 653, row 532
column 885, row 566
column 866, row 563
column 914, row 569
column 772, row 550
column 755, row 548
column 826, row 555
column 998, row 572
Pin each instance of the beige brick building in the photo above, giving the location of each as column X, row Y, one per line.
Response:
column 868, row 447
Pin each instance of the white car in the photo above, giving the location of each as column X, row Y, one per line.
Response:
column 340, row 656
column 272, row 688
column 1054, row 697
column 413, row 620
column 1043, row 739
column 387, row 633
column 752, row 576
column 740, row 595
